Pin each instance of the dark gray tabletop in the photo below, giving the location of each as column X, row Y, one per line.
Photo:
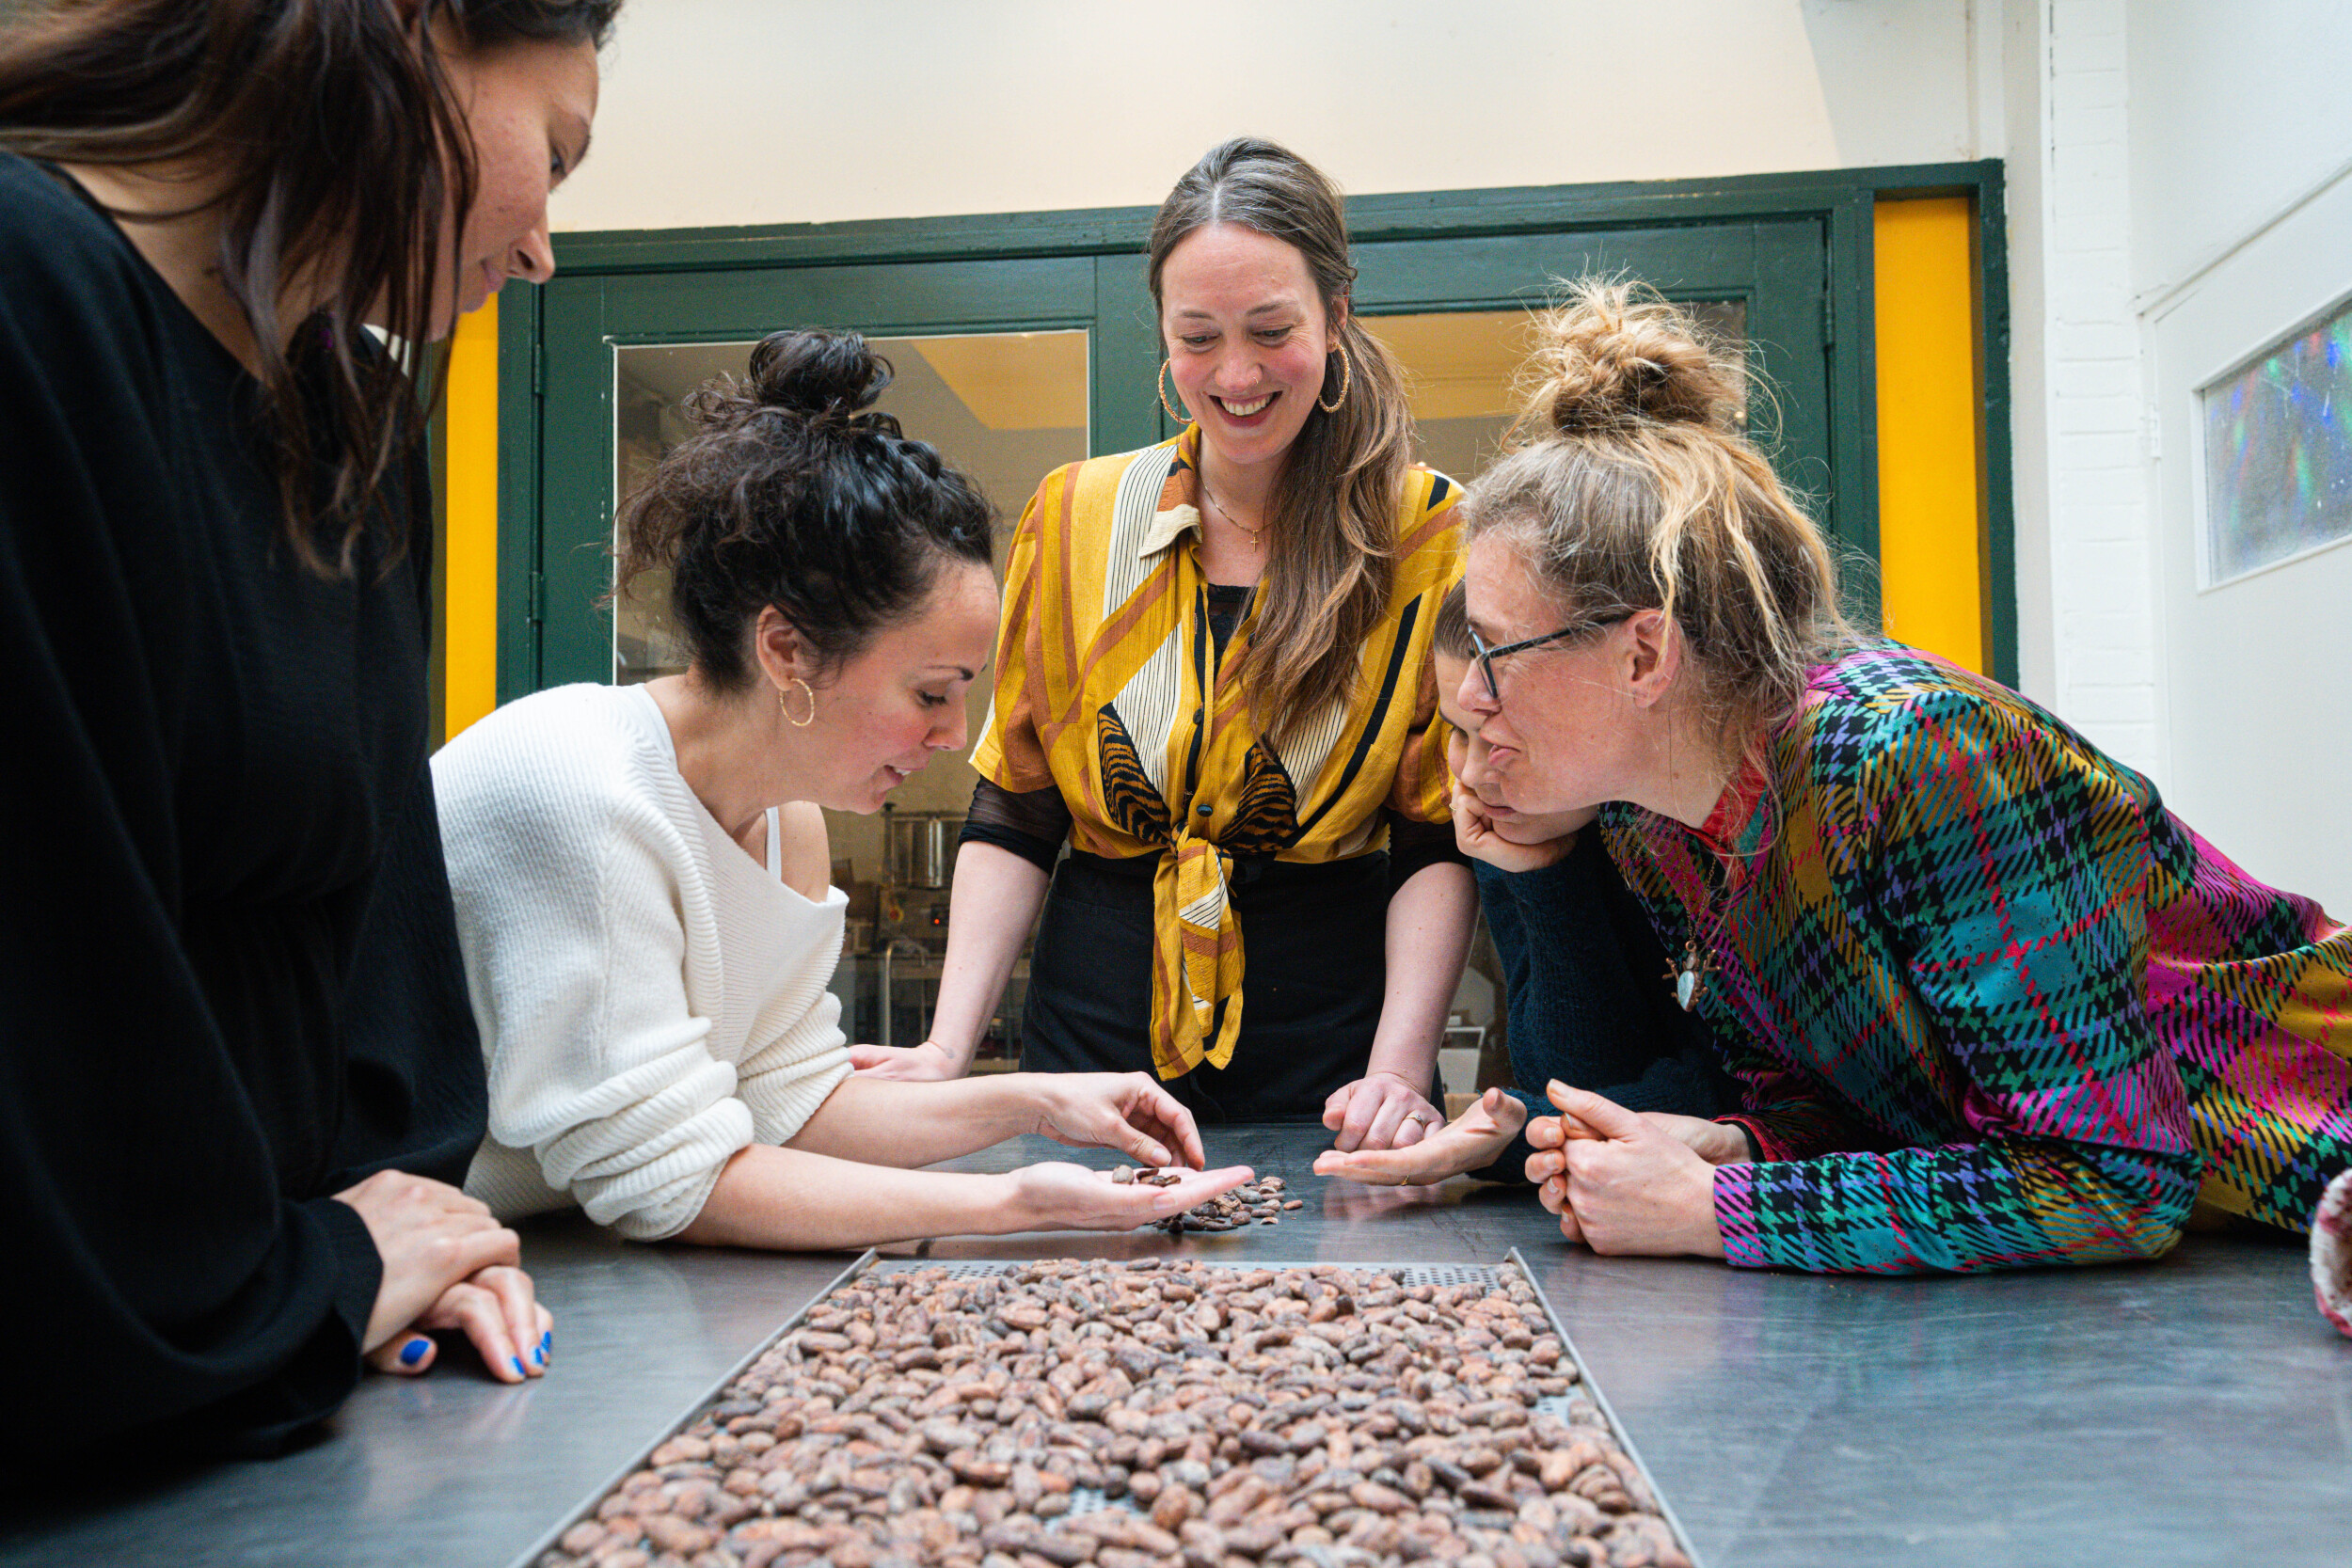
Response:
column 2190, row 1411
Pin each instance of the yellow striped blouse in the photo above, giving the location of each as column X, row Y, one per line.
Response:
column 1103, row 663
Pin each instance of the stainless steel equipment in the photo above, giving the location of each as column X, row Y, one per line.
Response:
column 920, row 848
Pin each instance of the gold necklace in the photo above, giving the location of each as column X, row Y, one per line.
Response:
column 1253, row 533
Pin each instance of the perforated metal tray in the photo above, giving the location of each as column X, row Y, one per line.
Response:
column 1087, row 1499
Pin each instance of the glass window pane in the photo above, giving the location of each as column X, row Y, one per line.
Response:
column 2279, row 450
column 1006, row 408
column 1462, row 368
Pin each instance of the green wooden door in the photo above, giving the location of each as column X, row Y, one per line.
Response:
column 565, row 559
column 555, row 562
column 1773, row 272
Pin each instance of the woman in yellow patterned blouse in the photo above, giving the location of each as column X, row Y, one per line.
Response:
column 1213, row 681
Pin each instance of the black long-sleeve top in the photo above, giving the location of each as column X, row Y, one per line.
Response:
column 1590, row 995
column 228, row 974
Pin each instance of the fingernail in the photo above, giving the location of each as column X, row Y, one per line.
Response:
column 539, row 1356
column 414, row 1352
column 518, row 1368
column 547, row 1341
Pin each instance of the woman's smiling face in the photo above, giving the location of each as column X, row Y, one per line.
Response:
column 1246, row 338
column 878, row 719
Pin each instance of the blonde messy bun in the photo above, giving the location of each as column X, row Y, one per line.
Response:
column 1627, row 486
column 1616, row 355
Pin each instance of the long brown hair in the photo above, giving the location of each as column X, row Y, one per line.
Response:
column 1330, row 534
column 1627, row 486
column 338, row 147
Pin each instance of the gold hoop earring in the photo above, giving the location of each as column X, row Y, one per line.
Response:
column 1347, row 377
column 797, row 723
column 1180, row 419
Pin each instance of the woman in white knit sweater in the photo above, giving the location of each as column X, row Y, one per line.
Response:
column 646, row 927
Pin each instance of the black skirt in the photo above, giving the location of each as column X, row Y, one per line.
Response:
column 1314, row 941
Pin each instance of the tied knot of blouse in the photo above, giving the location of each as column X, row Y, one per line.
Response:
column 1111, row 689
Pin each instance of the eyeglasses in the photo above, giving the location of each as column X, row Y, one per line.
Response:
column 1487, row 656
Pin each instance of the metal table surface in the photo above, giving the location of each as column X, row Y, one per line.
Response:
column 2189, row 1411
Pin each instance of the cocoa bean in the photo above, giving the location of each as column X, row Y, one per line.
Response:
column 971, row 1469
column 671, row 1534
column 1063, row 1549
column 679, row 1451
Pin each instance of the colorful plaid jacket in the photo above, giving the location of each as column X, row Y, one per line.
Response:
column 1990, row 1004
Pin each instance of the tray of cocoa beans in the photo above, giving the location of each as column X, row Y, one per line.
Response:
column 1160, row 1413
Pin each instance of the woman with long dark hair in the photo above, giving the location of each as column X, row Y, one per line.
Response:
column 640, row 871
column 1214, row 683
column 239, row 1080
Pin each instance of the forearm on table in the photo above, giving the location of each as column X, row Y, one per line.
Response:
column 886, row 1122
column 791, row 1199
column 1784, row 1115
column 2010, row 1203
column 991, row 911
column 1429, row 926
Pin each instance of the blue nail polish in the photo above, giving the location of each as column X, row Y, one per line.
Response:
column 547, row 1341
column 518, row 1368
column 413, row 1352
column 539, row 1356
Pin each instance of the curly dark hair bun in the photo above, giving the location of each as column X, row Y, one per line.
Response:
column 794, row 491
column 820, row 374
column 1616, row 355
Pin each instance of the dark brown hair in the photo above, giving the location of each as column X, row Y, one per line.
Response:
column 338, row 147
column 1627, row 486
column 1448, row 631
column 792, row 493
column 1330, row 535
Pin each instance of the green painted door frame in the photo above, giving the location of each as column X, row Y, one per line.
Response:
column 1794, row 248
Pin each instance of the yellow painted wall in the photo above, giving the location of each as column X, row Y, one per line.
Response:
column 1931, row 578
column 468, row 618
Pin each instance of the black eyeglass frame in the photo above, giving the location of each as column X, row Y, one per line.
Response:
column 1486, row 657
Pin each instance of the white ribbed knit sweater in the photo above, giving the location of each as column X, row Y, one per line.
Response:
column 650, row 1000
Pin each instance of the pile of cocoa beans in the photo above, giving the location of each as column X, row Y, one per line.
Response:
column 1144, row 1415
column 1262, row 1203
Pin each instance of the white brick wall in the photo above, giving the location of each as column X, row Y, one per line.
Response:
column 2100, row 528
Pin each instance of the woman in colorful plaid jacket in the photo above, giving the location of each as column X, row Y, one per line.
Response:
column 1990, row 1004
